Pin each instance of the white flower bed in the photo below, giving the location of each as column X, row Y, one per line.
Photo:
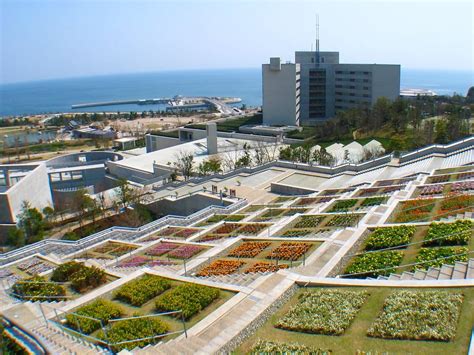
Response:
column 323, row 312
column 271, row 347
column 418, row 315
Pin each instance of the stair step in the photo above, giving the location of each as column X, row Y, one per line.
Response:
column 419, row 275
column 393, row 277
column 432, row 273
column 459, row 271
column 407, row 276
column 446, row 272
column 470, row 269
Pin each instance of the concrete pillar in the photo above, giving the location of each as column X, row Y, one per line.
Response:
column 6, row 174
column 211, row 131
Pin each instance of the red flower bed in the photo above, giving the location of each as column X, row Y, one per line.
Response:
column 249, row 249
column 221, row 267
column 162, row 248
column 227, row 228
column 168, row 231
column 457, row 202
column 135, row 261
column 185, row 251
column 211, row 237
column 289, row 251
column 186, row 233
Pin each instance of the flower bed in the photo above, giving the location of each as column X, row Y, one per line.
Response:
column 131, row 329
column 168, row 231
column 211, row 237
column 162, row 248
column 101, row 310
column 328, row 312
column 253, row 208
column 308, row 201
column 186, row 233
column 462, row 187
column 227, row 228
column 36, row 288
column 289, row 251
column 264, row 347
column 295, row 233
column 265, row 267
column 347, row 220
column 439, row 178
column 185, row 251
column 251, row 229
column 122, row 250
column 418, row 315
column 370, row 264
column 414, row 210
column 450, row 255
column 249, row 249
column 293, row 211
column 308, row 221
column 388, row 237
column 432, row 190
column 465, row 176
column 135, row 261
column 189, row 298
column 457, row 203
column 139, row 291
column 457, row 233
column 372, row 201
column 221, row 267
column 329, row 192
column 343, row 205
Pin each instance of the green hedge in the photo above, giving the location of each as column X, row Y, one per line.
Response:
column 387, row 237
column 37, row 288
column 81, row 277
column 366, row 264
column 132, row 329
column 63, row 272
column 191, row 299
column 140, row 291
column 343, row 205
column 101, row 310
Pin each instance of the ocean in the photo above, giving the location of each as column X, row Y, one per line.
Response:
column 52, row 96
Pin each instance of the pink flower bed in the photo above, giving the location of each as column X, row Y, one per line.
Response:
column 462, row 186
column 135, row 261
column 161, row 249
column 185, row 251
column 185, row 233
column 432, row 190
column 161, row 263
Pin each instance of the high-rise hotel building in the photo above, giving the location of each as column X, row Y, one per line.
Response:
column 316, row 86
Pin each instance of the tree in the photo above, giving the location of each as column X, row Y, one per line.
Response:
column 31, row 222
column 441, row 132
column 48, row 213
column 185, row 164
column 210, row 166
column 16, row 237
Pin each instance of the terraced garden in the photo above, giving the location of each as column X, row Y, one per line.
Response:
column 221, row 217
column 147, row 295
column 390, row 182
column 373, row 320
column 259, row 256
column 25, row 269
column 386, row 248
column 460, row 187
column 378, row 191
column 273, row 214
column 312, row 201
column 466, row 175
column 431, row 209
column 354, row 204
column 108, row 251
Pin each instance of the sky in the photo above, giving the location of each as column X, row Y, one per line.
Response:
column 46, row 39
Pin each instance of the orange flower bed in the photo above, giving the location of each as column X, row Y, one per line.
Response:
column 265, row 267
column 221, row 267
column 249, row 249
column 289, row 251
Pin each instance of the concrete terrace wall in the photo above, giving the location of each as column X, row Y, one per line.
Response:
column 186, row 205
column 160, row 142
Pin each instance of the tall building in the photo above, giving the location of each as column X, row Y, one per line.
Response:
column 281, row 92
column 325, row 87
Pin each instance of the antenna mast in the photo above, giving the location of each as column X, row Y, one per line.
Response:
column 317, row 39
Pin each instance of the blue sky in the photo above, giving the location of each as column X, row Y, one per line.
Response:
column 46, row 39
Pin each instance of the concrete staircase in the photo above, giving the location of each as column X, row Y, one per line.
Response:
column 235, row 279
column 460, row 270
column 59, row 342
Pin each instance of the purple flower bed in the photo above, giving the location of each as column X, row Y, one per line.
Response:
column 432, row 190
column 162, row 249
column 185, row 252
column 135, row 261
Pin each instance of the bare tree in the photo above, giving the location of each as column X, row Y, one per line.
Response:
column 184, row 162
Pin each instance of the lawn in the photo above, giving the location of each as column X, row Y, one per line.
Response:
column 355, row 336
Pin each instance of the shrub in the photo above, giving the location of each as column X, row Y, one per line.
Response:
column 455, row 233
column 188, row 298
column 131, row 329
column 265, row 347
column 418, row 316
column 347, row 220
column 101, row 310
column 449, row 255
column 372, row 201
column 64, row 272
column 87, row 277
column 343, row 205
column 327, row 312
column 308, row 221
column 369, row 264
column 140, row 291
column 389, row 237
column 36, row 288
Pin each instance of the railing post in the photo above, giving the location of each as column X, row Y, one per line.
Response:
column 184, row 325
